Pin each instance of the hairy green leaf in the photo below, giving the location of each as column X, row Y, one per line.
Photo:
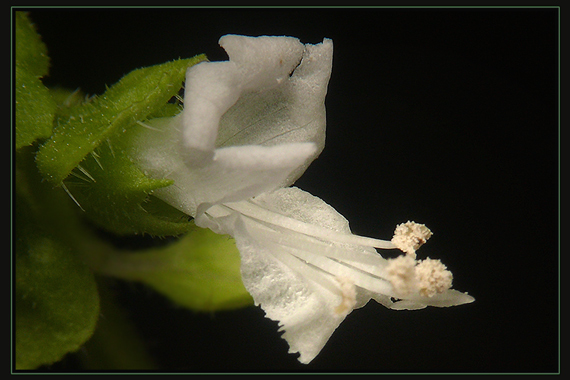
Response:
column 116, row 195
column 56, row 299
column 35, row 109
column 31, row 52
column 137, row 95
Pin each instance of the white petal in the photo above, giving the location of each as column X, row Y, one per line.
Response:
column 211, row 89
column 305, row 207
column 294, row 111
column 220, row 151
column 242, row 172
column 232, row 174
column 308, row 302
column 264, row 61
column 406, row 305
column 450, row 297
column 303, row 307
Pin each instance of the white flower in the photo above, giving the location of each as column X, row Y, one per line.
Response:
column 250, row 127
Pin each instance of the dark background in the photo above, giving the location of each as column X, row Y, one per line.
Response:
column 448, row 117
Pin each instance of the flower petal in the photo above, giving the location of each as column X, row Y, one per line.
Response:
column 242, row 172
column 293, row 111
column 309, row 303
column 232, row 174
column 217, row 151
column 211, row 89
column 256, row 64
column 448, row 298
column 264, row 61
column 303, row 307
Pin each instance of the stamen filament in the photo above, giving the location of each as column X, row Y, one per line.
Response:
column 363, row 279
column 313, row 253
column 255, row 211
column 307, row 271
column 300, row 266
column 373, row 261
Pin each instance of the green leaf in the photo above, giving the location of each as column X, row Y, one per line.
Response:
column 31, row 52
column 116, row 195
column 35, row 109
column 136, row 96
column 89, row 149
column 200, row 271
column 56, row 299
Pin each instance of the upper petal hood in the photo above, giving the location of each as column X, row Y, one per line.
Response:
column 269, row 94
column 290, row 112
column 264, row 62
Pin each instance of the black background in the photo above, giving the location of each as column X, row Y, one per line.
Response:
column 448, row 117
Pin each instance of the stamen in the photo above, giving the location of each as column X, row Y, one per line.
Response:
column 348, row 295
column 257, row 212
column 307, row 271
column 358, row 258
column 402, row 274
column 410, row 236
column 428, row 277
column 433, row 277
column 302, row 245
column 361, row 278
column 306, row 251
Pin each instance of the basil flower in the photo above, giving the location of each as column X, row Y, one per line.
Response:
column 250, row 127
